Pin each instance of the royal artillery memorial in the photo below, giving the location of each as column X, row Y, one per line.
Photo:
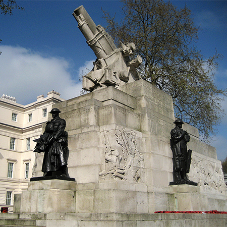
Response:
column 120, row 162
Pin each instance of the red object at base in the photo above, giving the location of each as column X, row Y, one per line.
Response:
column 192, row 212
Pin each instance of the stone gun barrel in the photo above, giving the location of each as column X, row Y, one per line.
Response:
column 113, row 65
column 97, row 38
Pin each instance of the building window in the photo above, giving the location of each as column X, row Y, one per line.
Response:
column 29, row 117
column 12, row 143
column 28, row 141
column 45, row 112
column 10, row 170
column 26, row 170
column 8, row 198
column 14, row 117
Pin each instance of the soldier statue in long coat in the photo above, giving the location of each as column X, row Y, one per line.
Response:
column 54, row 144
column 181, row 156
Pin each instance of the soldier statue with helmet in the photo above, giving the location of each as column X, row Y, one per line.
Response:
column 181, row 156
column 54, row 143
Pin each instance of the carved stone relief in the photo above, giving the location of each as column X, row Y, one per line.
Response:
column 123, row 160
column 208, row 174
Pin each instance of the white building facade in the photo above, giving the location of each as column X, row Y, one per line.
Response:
column 19, row 126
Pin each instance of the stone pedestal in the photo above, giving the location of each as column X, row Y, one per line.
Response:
column 112, row 197
column 47, row 196
column 120, row 155
column 186, row 197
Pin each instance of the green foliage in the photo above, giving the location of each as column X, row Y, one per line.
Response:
column 7, row 6
column 164, row 37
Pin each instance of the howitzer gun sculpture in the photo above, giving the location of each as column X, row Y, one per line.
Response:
column 113, row 65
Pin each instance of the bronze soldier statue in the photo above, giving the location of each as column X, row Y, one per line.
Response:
column 181, row 156
column 54, row 144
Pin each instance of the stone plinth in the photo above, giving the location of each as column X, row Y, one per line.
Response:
column 116, row 197
column 47, row 196
column 121, row 138
column 113, row 220
column 190, row 198
column 186, row 197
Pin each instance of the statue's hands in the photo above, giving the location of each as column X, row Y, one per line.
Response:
column 184, row 133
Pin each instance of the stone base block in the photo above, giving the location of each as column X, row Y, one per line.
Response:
column 186, row 197
column 115, row 197
column 184, row 188
column 189, row 198
column 47, row 196
column 114, row 220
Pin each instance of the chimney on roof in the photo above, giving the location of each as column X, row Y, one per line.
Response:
column 10, row 98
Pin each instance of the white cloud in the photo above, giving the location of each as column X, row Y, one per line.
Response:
column 86, row 68
column 25, row 75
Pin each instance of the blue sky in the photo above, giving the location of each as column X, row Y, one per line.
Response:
column 43, row 50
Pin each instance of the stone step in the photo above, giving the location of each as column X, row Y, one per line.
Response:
column 17, row 225
column 17, row 222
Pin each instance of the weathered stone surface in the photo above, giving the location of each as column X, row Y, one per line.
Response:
column 47, row 196
column 114, row 220
column 119, row 142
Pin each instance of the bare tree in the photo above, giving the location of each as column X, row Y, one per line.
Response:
column 7, row 6
column 165, row 38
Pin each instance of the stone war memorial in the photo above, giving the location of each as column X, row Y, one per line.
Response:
column 118, row 157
